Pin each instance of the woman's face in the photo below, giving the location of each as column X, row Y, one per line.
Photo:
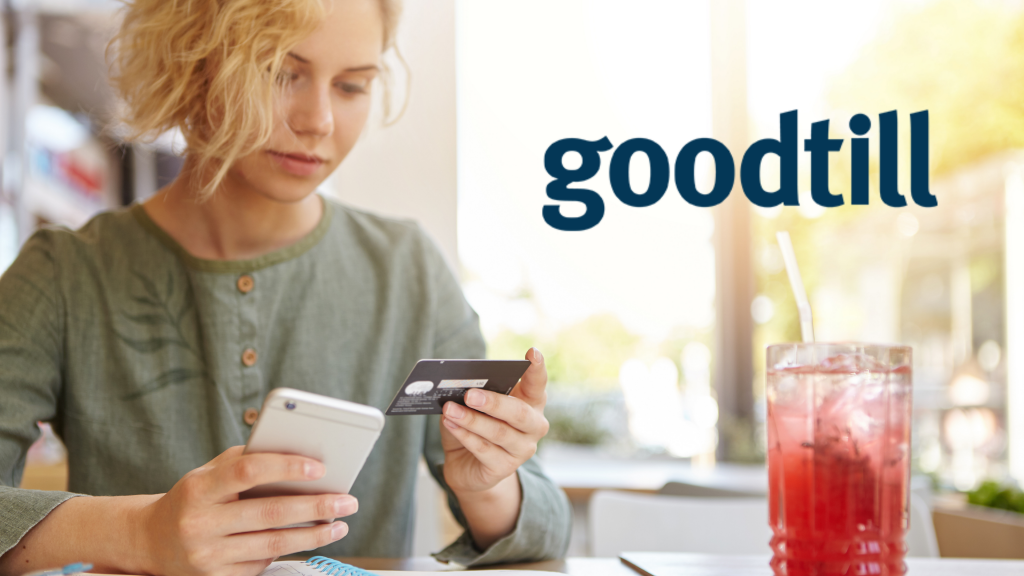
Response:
column 324, row 106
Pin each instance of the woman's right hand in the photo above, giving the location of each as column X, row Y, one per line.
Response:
column 200, row 527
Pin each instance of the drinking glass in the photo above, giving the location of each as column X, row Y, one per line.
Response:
column 838, row 457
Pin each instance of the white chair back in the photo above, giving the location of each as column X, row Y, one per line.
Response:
column 921, row 541
column 428, row 530
column 626, row 522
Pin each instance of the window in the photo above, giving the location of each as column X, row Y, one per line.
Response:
column 624, row 311
column 939, row 279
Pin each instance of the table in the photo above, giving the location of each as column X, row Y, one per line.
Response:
column 580, row 472
column 698, row 565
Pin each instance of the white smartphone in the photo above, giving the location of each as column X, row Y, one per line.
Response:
column 336, row 432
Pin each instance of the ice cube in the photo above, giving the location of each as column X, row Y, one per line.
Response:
column 863, row 425
column 852, row 364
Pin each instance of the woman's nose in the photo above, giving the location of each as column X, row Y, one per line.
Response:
column 311, row 115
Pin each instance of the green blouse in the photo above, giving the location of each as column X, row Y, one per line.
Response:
column 146, row 359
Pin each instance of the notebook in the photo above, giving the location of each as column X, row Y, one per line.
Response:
column 335, row 568
column 321, row 566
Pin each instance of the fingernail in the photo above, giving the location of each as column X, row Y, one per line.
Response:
column 537, row 356
column 455, row 411
column 338, row 530
column 313, row 470
column 451, row 425
column 343, row 506
column 475, row 398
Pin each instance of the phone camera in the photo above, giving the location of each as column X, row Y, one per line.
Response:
column 289, row 405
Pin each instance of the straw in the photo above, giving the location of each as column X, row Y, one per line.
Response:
column 797, row 284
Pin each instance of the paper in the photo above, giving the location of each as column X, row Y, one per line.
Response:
column 303, row 569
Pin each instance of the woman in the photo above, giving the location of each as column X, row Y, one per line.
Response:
column 150, row 336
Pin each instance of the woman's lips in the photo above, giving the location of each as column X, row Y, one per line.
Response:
column 297, row 164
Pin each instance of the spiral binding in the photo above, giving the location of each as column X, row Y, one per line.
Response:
column 334, row 568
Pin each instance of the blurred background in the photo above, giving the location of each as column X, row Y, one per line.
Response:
column 655, row 322
column 632, row 312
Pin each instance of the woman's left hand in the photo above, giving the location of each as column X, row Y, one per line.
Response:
column 487, row 443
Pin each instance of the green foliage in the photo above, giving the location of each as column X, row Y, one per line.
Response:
column 581, row 359
column 984, row 270
column 738, row 434
column 961, row 60
column 574, row 424
column 994, row 495
column 589, row 352
column 509, row 345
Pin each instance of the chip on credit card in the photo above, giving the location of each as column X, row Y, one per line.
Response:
column 434, row 382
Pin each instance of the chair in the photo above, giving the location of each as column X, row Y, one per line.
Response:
column 920, row 539
column 628, row 522
column 622, row 521
column 428, row 529
column 677, row 488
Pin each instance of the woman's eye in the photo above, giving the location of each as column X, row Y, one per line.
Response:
column 352, row 88
column 286, row 76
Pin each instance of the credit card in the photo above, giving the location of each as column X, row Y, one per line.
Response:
column 434, row 382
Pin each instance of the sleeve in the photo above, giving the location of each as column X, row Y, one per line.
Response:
column 544, row 525
column 30, row 380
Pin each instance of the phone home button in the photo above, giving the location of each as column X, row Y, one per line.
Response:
column 250, row 415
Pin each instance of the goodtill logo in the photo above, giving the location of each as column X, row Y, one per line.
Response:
column 819, row 145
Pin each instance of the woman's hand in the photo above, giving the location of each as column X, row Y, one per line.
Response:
column 201, row 527
column 485, row 445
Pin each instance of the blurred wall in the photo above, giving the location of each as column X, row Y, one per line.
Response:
column 408, row 169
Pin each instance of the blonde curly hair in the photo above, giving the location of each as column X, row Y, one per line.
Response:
column 209, row 68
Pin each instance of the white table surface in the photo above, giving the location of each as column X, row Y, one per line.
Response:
column 580, row 468
column 673, row 564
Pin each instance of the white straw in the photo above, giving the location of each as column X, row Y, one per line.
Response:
column 797, row 284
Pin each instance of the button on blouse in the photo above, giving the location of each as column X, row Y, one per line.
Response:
column 245, row 283
column 250, row 416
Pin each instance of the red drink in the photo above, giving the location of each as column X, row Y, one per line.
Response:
column 838, row 458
